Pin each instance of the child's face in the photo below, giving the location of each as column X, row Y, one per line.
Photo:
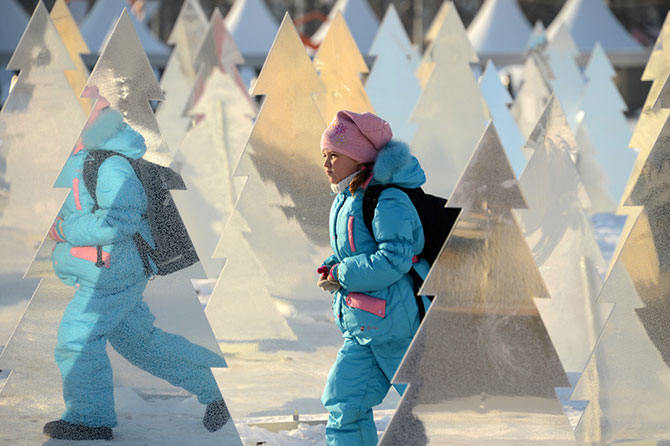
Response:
column 338, row 166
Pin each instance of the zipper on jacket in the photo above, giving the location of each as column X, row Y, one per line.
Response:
column 337, row 214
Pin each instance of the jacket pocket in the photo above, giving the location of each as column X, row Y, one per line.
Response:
column 365, row 317
column 367, row 303
column 90, row 253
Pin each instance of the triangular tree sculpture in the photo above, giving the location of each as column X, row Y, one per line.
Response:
column 284, row 143
column 604, row 121
column 362, row 20
column 340, row 64
column 436, row 24
column 168, row 297
column 285, row 201
column 393, row 71
column 39, row 124
column 448, row 24
column 646, row 252
column 179, row 75
column 533, row 93
column 43, row 117
column 593, row 175
column 559, row 234
column 451, row 120
column 648, row 127
column 270, row 254
column 493, row 381
column 568, row 80
column 498, row 98
column 222, row 115
column 133, row 90
column 172, row 299
column 241, row 295
column 76, row 46
column 626, row 382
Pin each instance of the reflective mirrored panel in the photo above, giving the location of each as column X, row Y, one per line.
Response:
column 340, row 65
column 560, row 237
column 626, row 383
column 124, row 78
column 482, row 368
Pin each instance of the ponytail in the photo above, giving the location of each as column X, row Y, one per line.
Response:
column 361, row 178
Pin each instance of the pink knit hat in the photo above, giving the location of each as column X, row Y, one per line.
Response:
column 359, row 136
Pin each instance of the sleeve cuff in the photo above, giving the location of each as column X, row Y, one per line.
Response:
column 56, row 231
column 332, row 275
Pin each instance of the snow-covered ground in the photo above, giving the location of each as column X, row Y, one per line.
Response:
column 262, row 377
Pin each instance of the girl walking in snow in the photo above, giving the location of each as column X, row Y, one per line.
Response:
column 107, row 303
column 373, row 297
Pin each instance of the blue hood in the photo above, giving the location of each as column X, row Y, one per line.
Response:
column 110, row 132
column 396, row 165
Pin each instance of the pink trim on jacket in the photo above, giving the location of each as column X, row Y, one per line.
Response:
column 75, row 193
column 90, row 253
column 367, row 303
column 350, row 229
column 78, row 147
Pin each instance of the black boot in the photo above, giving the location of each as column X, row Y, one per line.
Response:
column 216, row 415
column 62, row 430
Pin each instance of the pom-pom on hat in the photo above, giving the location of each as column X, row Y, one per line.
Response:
column 359, row 136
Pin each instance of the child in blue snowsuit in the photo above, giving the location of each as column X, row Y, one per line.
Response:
column 373, row 302
column 108, row 305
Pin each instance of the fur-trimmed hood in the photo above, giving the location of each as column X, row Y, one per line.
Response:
column 396, row 165
column 110, row 132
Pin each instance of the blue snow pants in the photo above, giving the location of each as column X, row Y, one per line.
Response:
column 94, row 317
column 359, row 380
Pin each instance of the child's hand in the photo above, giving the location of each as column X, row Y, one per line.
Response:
column 327, row 284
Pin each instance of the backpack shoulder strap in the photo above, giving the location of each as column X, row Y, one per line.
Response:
column 92, row 163
column 370, row 200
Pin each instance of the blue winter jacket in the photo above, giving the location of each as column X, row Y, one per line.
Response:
column 376, row 302
column 122, row 203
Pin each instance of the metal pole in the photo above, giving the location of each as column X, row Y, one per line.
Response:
column 417, row 24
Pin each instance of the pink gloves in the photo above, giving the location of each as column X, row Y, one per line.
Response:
column 327, row 281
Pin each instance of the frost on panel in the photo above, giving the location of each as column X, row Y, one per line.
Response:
column 124, row 76
column 646, row 252
column 626, row 382
column 482, row 369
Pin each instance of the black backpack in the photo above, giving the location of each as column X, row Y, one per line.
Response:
column 174, row 249
column 436, row 219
